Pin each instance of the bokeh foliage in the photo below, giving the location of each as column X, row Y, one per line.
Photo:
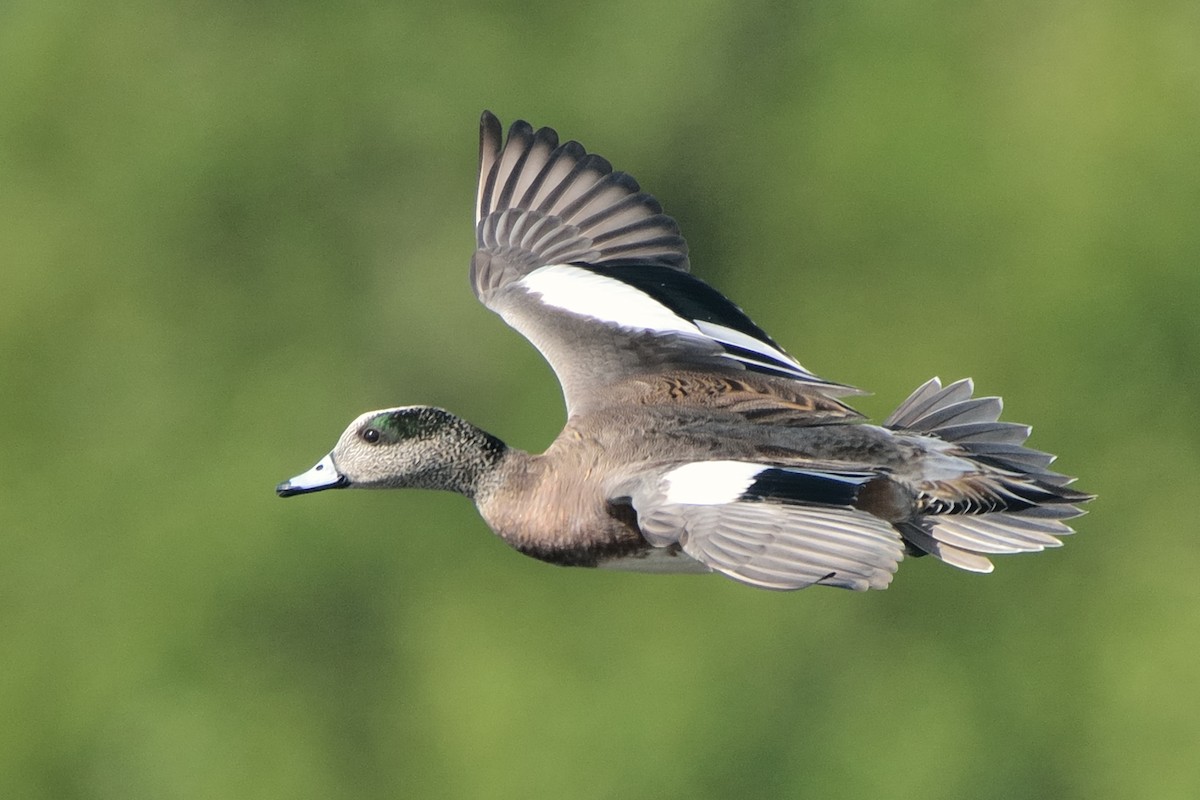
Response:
column 226, row 229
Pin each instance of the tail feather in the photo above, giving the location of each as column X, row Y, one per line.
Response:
column 976, row 409
column 986, row 432
column 1011, row 456
column 1009, row 502
column 918, row 537
column 929, row 395
column 993, row 533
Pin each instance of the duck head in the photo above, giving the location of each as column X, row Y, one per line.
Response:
column 411, row 446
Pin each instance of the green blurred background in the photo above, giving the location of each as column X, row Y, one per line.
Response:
column 226, row 229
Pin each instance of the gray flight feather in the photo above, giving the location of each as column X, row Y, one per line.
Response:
column 771, row 545
column 542, row 203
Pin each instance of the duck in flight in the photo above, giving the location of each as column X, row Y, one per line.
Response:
column 693, row 441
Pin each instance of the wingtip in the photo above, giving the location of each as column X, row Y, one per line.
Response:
column 490, row 133
column 532, row 177
column 491, row 139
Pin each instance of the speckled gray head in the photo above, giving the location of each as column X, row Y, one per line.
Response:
column 410, row 446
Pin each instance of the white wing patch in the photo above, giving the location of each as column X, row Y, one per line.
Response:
column 710, row 483
column 615, row 302
column 588, row 294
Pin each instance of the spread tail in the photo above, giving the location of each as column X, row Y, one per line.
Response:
column 980, row 490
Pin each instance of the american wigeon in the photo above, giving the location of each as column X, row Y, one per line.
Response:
column 693, row 441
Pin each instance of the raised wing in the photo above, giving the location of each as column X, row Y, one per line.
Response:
column 587, row 267
column 773, row 527
column 542, row 203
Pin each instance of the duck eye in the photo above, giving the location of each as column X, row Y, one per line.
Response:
column 370, row 435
